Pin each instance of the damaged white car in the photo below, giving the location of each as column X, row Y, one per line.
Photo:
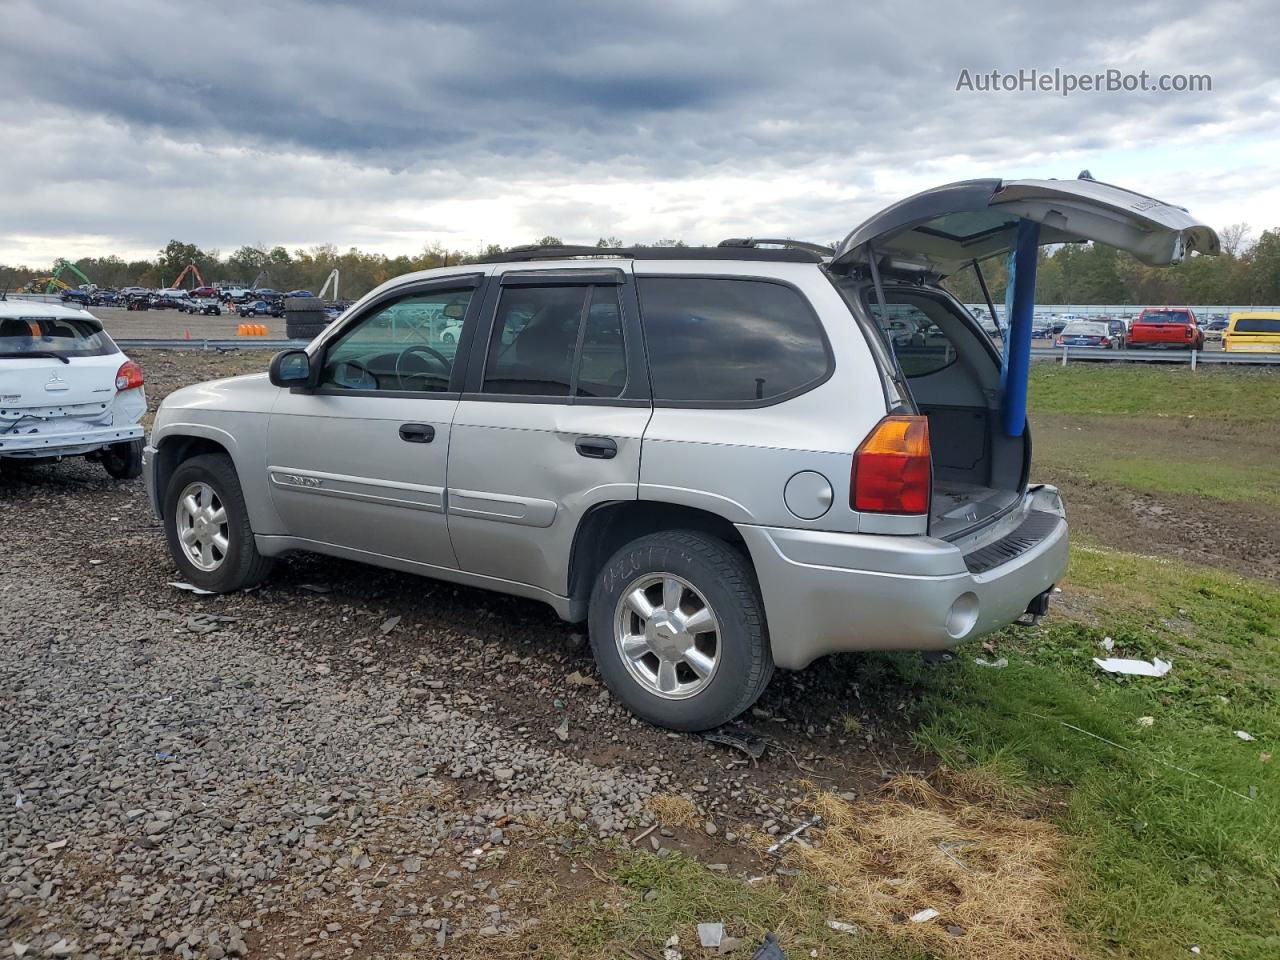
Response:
column 66, row 390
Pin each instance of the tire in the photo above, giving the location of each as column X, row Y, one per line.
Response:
column 705, row 569
column 123, row 460
column 295, row 330
column 240, row 565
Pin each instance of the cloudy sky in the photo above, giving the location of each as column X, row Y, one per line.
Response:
column 391, row 124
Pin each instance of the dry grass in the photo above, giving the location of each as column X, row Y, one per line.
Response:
column 973, row 857
column 673, row 810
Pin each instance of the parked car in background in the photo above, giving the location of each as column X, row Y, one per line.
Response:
column 261, row 308
column 267, row 293
column 1119, row 332
column 206, row 306
column 1214, row 328
column 74, row 296
column 1086, row 333
column 1252, row 332
column 66, row 390
column 1169, row 327
column 724, row 549
column 204, row 292
column 299, row 293
column 235, row 294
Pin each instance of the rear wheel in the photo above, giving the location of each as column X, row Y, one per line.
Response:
column 678, row 630
column 207, row 526
column 123, row 460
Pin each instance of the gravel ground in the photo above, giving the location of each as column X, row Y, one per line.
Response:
column 339, row 763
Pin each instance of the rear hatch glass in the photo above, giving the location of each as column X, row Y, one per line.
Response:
column 1166, row 316
column 54, row 337
column 1257, row 325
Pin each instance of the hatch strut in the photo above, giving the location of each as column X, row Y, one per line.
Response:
column 986, row 295
column 875, row 279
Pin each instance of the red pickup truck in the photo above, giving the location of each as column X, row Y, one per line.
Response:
column 1166, row 327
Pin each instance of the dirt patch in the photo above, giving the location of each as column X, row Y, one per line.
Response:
column 1239, row 536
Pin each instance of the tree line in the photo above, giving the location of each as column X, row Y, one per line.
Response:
column 1247, row 272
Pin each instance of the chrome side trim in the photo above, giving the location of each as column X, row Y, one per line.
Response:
column 363, row 489
column 525, row 511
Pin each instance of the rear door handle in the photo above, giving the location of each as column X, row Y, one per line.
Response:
column 597, row 448
column 417, row 432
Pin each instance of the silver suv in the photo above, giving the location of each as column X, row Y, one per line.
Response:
column 722, row 459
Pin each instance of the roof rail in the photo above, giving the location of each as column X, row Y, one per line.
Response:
column 722, row 252
column 753, row 243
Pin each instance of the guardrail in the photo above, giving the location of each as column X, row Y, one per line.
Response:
column 238, row 343
column 1186, row 357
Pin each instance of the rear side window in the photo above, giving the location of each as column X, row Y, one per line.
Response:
column 557, row 342
column 722, row 340
column 64, row 336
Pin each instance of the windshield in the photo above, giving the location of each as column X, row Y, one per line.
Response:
column 1165, row 316
column 1257, row 325
column 62, row 336
column 1082, row 328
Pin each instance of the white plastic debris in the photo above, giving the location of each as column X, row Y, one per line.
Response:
column 1107, row 644
column 710, row 934
column 1245, row 736
column 997, row 664
column 1146, row 721
column 671, row 949
column 1136, row 668
column 924, row 916
column 842, row 926
column 190, row 588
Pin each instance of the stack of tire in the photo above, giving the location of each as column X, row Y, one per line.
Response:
column 304, row 317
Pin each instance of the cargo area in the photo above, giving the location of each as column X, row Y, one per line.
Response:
column 954, row 377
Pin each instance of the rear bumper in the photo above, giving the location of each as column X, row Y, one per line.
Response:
column 829, row 592
column 66, row 444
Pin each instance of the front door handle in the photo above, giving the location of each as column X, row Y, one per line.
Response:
column 597, row 448
column 417, row 432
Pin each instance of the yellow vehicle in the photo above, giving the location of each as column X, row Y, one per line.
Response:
column 1253, row 331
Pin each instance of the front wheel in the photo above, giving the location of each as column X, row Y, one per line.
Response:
column 123, row 460
column 207, row 527
column 678, row 630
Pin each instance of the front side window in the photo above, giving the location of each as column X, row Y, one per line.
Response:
column 724, row 340
column 557, row 342
column 405, row 345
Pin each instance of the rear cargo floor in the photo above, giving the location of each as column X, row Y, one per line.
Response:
column 957, row 506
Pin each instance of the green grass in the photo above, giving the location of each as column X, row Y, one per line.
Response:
column 1160, row 859
column 1241, row 396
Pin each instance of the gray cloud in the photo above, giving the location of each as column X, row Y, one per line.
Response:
column 394, row 121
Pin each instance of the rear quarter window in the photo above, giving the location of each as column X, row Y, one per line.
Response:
column 721, row 340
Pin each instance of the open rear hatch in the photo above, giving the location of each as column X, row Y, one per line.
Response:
column 949, row 366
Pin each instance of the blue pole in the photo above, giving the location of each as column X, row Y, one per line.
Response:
column 1017, row 365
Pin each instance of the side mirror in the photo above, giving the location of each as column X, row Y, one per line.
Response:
column 291, row 368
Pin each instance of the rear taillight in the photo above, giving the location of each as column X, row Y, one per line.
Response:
column 128, row 376
column 1106, row 341
column 1190, row 333
column 892, row 472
